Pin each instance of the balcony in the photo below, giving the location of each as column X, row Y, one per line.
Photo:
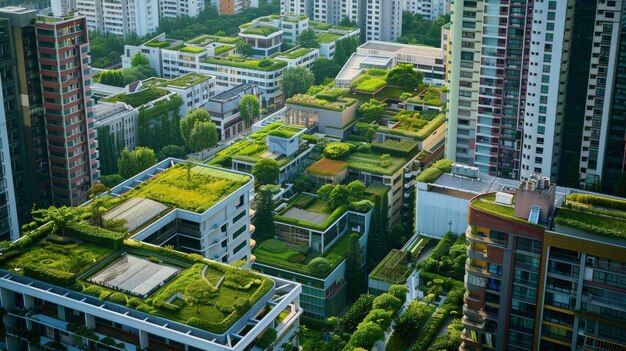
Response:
column 473, row 344
column 476, row 254
column 476, row 268
column 483, row 239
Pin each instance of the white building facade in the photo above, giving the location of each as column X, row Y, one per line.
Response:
column 9, row 226
column 178, row 8
column 122, row 122
column 120, row 17
column 383, row 20
column 428, row 9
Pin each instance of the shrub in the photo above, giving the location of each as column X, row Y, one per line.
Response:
column 274, row 245
column 386, row 301
column 444, row 165
column 49, row 275
column 361, row 206
column 160, row 304
column 93, row 291
column 412, row 320
column 95, row 235
column 296, row 258
column 355, row 314
column 332, row 94
column 371, row 85
column 337, row 150
column 118, row 298
column 365, row 148
column 146, row 309
column 430, row 331
column 399, row 292
column 267, row 338
column 133, row 302
column 380, row 317
column 396, row 148
column 320, row 265
column 325, row 191
column 366, row 335
column 429, row 175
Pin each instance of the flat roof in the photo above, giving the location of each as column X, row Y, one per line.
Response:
column 405, row 49
column 135, row 212
column 231, row 93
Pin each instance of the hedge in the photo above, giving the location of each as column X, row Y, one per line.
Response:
column 444, row 165
column 396, row 148
column 49, row 275
column 95, row 235
column 118, row 298
column 448, row 283
column 600, row 201
column 430, row 331
column 382, row 309
column 429, row 175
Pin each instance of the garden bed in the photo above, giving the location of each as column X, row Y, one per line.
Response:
column 310, row 212
column 370, row 162
column 327, row 167
column 139, row 98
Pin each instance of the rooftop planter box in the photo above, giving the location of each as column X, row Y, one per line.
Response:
column 192, row 50
column 186, row 81
column 266, row 65
column 264, row 31
column 327, row 38
column 202, row 39
column 292, row 55
column 220, row 50
column 158, row 44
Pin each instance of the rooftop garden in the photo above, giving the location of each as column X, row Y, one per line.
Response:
column 371, row 85
column 294, row 54
column 158, row 44
column 195, row 189
column 329, row 99
column 487, row 203
column 187, row 80
column 594, row 214
column 263, row 31
column 431, row 96
column 285, row 131
column 393, row 268
column 139, row 98
column 206, row 38
column 265, row 64
column 327, row 167
column 320, row 25
column 414, row 124
column 326, row 38
column 220, row 50
column 192, row 50
column 326, row 215
column 376, row 163
column 200, row 293
column 276, row 253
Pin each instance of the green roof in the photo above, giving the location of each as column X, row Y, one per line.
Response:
column 320, row 25
column 371, row 163
column 187, row 80
column 325, row 37
column 487, row 203
column 201, row 39
column 158, row 44
column 261, row 30
column 139, row 98
column 594, row 214
column 252, row 64
column 294, row 54
column 393, row 268
column 313, row 205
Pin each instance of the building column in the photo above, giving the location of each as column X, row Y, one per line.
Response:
column 61, row 312
column 8, row 303
column 90, row 321
column 143, row 340
column 29, row 303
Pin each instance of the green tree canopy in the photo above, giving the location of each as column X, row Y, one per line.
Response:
column 203, row 136
column 172, row 151
column 323, row 68
column 405, row 77
column 308, row 39
column 249, row 109
column 188, row 122
column 139, row 60
column 266, row 171
column 325, row 190
column 339, row 196
column 356, row 189
column 320, row 265
column 59, row 217
column 337, row 150
column 243, row 48
column 345, row 48
column 355, row 273
column 372, row 110
column 297, row 80
column 264, row 217
column 132, row 163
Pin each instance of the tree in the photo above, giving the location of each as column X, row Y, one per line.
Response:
column 325, row 190
column 346, row 22
column 308, row 39
column 132, row 163
column 243, row 48
column 366, row 335
column 188, row 122
column 418, row 30
column 405, row 77
column 356, row 188
column 339, row 196
column 249, row 109
column 266, row 171
column 267, row 338
column 320, row 266
column 196, row 293
column 369, row 135
column 98, row 189
column 203, row 136
column 355, row 275
column 302, row 182
column 264, row 217
column 139, row 60
column 409, row 323
column 60, row 217
column 323, row 68
column 372, row 110
column 111, row 180
column 344, row 48
column 337, row 150
column 174, row 151
column 297, row 80
column 376, row 240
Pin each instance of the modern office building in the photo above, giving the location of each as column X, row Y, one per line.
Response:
column 23, row 105
column 545, row 271
column 9, row 226
column 63, row 48
column 428, row 9
column 121, row 18
column 178, row 8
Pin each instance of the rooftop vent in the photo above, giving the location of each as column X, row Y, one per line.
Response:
column 459, row 169
column 504, row 198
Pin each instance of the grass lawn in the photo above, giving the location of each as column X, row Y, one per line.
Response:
column 319, row 206
column 71, row 257
column 487, row 204
column 140, row 98
column 360, row 161
column 205, row 187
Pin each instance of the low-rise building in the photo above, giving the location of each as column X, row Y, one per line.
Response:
column 299, row 57
column 134, row 293
column 225, row 113
column 119, row 120
column 195, row 89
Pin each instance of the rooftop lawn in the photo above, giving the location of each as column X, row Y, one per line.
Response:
column 191, row 49
column 325, row 37
column 284, row 259
column 416, row 128
column 285, row 131
column 320, row 25
column 188, row 80
column 296, row 53
column 594, row 214
column 371, row 85
column 486, row 203
column 263, row 31
column 139, row 98
column 393, row 268
column 223, row 49
column 202, row 39
column 202, row 189
column 327, row 167
column 158, row 44
column 258, row 65
column 315, row 102
column 371, row 162
column 312, row 204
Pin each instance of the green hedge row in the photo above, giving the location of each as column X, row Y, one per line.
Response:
column 430, row 331
column 601, row 201
column 396, row 148
column 49, row 275
column 95, row 235
column 448, row 283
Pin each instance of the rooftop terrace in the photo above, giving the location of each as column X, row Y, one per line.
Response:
column 393, row 268
column 265, row 64
column 310, row 212
column 264, row 31
column 139, row 98
column 594, row 214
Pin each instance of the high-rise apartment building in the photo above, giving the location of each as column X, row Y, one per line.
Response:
column 545, row 271
column 23, row 105
column 63, row 48
column 231, row 7
column 61, row 7
column 121, row 17
column 428, row 9
column 378, row 19
column 524, row 99
column 178, row 8
column 9, row 227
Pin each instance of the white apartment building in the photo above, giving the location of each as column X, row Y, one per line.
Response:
column 121, row 120
column 120, row 17
column 225, row 113
column 178, row 8
column 295, row 7
column 428, row 9
column 62, row 7
column 9, row 226
column 383, row 20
